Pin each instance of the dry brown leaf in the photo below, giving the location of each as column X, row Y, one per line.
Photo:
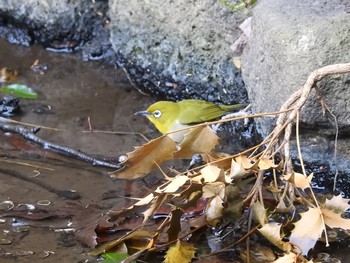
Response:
column 144, row 158
column 8, row 75
column 299, row 180
column 334, row 219
column 201, row 139
column 156, row 203
column 247, row 163
column 214, row 210
column 265, row 164
column 181, row 252
column 259, row 213
column 287, row 258
column 308, row 229
column 145, row 201
column 214, row 189
column 237, row 171
column 211, row 173
column 272, row 232
column 175, row 225
column 258, row 254
column 174, row 184
column 337, row 203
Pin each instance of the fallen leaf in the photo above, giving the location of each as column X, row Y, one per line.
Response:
column 272, row 232
column 308, row 229
column 214, row 189
column 237, row 171
column 175, row 226
column 156, row 203
column 299, row 180
column 174, row 184
column 201, row 139
column 8, row 75
column 287, row 258
column 265, row 164
column 259, row 213
column 214, row 211
column 337, row 203
column 181, row 252
column 146, row 157
column 212, row 173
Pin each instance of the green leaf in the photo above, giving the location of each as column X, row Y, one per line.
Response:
column 114, row 257
column 20, row 91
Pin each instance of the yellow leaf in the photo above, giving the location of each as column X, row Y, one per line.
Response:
column 299, row 180
column 144, row 158
column 308, row 229
column 272, row 232
column 182, row 252
column 201, row 139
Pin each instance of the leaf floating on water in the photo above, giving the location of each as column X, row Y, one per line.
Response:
column 181, row 252
column 146, row 157
column 20, row 91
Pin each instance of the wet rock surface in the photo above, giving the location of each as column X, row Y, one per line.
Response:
column 185, row 44
column 289, row 40
column 173, row 50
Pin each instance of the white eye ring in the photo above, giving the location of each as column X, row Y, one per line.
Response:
column 157, row 113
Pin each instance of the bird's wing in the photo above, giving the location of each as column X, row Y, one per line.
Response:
column 196, row 111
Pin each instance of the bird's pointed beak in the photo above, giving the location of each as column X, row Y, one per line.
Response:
column 142, row 113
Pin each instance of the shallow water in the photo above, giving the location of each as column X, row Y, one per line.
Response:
column 74, row 96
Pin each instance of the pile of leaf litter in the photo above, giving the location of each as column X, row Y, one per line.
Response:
column 256, row 191
column 257, row 207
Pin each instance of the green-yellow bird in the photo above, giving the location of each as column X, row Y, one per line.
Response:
column 169, row 116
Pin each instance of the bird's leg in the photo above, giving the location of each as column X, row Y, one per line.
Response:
column 245, row 112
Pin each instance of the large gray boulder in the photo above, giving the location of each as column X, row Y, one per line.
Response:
column 179, row 49
column 289, row 40
column 58, row 24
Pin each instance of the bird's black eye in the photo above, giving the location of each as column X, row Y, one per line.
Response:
column 157, row 113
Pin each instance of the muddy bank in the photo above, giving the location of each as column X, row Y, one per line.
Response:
column 73, row 96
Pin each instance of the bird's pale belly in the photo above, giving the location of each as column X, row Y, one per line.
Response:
column 178, row 136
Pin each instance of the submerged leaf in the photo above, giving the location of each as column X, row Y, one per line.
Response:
column 20, row 91
column 146, row 157
column 181, row 252
column 114, row 257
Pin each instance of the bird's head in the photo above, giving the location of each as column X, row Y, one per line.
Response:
column 163, row 114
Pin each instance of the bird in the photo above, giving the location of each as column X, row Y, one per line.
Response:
column 169, row 116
